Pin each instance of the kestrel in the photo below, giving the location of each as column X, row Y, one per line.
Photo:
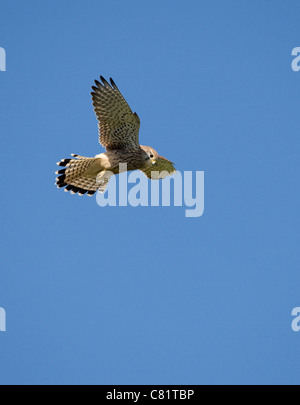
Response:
column 119, row 134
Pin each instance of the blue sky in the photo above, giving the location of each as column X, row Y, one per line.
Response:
column 124, row 295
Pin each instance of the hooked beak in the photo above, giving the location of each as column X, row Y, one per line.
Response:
column 152, row 160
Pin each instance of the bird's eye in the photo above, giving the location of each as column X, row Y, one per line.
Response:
column 151, row 155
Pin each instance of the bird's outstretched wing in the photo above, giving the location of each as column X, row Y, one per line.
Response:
column 118, row 126
column 161, row 169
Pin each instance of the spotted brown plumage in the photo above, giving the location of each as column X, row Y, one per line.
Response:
column 118, row 126
column 119, row 134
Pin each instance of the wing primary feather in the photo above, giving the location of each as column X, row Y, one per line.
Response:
column 104, row 82
column 98, row 83
column 113, row 84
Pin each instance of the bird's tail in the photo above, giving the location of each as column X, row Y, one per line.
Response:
column 78, row 175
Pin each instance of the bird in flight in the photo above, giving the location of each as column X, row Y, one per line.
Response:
column 119, row 134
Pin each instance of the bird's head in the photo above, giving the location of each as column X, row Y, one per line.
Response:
column 151, row 155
